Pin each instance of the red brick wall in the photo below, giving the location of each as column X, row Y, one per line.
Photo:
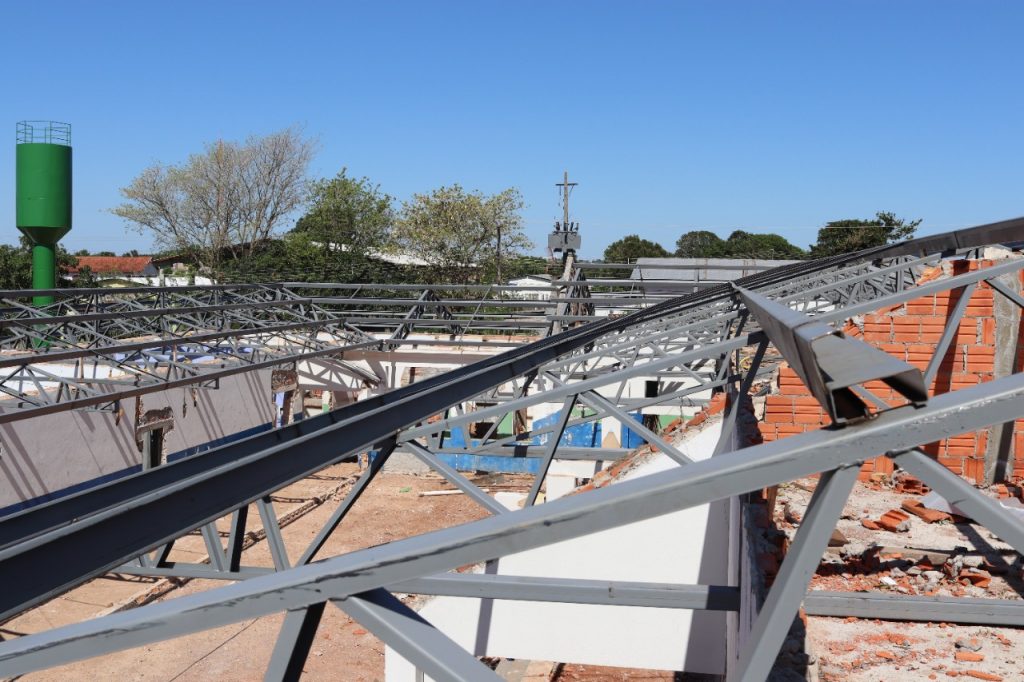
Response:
column 910, row 332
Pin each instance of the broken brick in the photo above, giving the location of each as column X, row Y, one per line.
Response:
column 969, row 656
column 979, row 675
column 869, row 524
column 976, row 577
column 916, row 508
column 894, row 521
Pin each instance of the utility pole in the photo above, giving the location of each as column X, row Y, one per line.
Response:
column 565, row 240
column 566, row 188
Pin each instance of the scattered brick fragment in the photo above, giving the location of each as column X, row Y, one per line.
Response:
column 895, row 521
column 887, row 655
column 916, row 508
column 978, row 674
column 909, row 485
column 869, row 524
column 969, row 656
column 976, row 577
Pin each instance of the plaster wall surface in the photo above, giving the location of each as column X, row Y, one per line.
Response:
column 683, row 547
column 56, row 454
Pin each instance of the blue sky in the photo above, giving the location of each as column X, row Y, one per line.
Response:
column 672, row 115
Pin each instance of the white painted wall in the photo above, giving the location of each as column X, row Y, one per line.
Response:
column 683, row 547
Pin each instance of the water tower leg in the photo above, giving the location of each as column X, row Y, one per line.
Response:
column 44, row 271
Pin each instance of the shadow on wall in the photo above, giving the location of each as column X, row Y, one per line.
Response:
column 52, row 456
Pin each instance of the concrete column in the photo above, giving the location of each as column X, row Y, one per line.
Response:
column 999, row 453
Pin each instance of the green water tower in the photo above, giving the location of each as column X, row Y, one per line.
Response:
column 43, row 203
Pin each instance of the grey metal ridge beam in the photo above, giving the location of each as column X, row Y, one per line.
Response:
column 829, row 362
column 1004, row 231
column 625, row 502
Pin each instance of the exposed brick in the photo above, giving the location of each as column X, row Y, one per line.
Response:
column 921, row 306
column 974, row 470
column 954, row 464
column 988, row 330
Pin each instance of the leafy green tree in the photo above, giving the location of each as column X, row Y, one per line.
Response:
column 514, row 268
column 845, row 236
column 631, row 247
column 700, row 244
column 741, row 244
column 16, row 265
column 463, row 235
column 346, row 213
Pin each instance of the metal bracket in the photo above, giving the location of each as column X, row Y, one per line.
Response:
column 829, row 362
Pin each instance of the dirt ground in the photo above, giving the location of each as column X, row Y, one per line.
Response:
column 389, row 510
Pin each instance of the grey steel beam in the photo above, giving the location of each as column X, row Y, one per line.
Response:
column 939, row 609
column 518, row 450
column 625, row 502
column 177, row 569
column 416, row 640
column 355, row 492
column 599, row 402
column 830, row 363
column 454, row 477
column 559, row 392
column 294, row 641
column 949, row 333
column 552, row 445
column 962, row 494
column 757, row 656
column 574, row 591
column 278, row 551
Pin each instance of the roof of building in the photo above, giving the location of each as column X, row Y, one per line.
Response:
column 702, row 269
column 125, row 265
column 535, row 278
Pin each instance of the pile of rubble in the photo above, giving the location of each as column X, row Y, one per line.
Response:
column 896, row 536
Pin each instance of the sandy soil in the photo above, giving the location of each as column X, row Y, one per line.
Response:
column 389, row 510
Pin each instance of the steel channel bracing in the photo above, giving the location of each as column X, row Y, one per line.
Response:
column 97, row 347
column 695, row 338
